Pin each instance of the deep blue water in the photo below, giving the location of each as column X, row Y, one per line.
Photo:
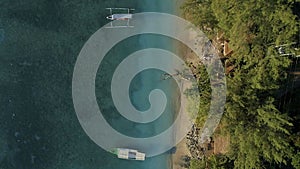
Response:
column 39, row 43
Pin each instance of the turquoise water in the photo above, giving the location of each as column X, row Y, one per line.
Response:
column 139, row 91
column 39, row 128
column 140, row 87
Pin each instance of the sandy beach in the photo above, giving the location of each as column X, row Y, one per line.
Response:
column 181, row 148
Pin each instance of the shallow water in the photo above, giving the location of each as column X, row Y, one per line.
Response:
column 39, row 127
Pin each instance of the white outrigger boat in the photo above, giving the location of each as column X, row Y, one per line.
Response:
column 129, row 154
column 125, row 15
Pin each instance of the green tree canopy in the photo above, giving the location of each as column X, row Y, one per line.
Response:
column 260, row 133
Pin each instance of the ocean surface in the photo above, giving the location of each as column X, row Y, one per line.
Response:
column 39, row 43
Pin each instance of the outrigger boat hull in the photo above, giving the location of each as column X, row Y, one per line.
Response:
column 129, row 154
column 119, row 17
column 124, row 15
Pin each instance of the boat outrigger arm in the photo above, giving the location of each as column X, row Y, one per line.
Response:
column 125, row 15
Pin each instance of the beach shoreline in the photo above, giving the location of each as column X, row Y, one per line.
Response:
column 176, row 161
column 173, row 160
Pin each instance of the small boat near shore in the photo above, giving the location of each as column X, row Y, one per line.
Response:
column 123, row 14
column 129, row 154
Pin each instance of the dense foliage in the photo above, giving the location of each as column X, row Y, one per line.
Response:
column 263, row 134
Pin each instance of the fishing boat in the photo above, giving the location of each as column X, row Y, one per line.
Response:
column 129, row 154
column 125, row 14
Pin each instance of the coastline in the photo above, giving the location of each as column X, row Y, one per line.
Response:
column 173, row 160
column 176, row 161
column 167, row 161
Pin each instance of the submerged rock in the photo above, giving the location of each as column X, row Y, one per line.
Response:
column 37, row 137
column 32, row 157
column 17, row 134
